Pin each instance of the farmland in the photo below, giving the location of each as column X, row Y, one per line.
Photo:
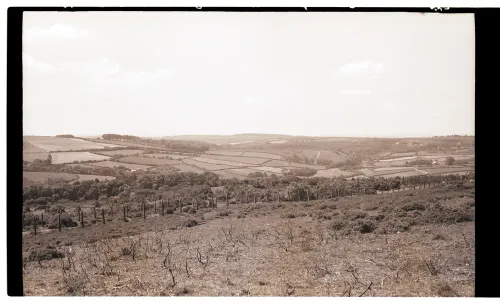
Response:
column 52, row 144
column 148, row 161
column 70, row 157
column 47, row 177
column 243, row 155
column 121, row 152
column 167, row 156
column 32, row 156
column 118, row 164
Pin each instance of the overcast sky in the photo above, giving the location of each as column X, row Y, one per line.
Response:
column 172, row 73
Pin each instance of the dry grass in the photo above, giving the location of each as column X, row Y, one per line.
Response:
column 267, row 249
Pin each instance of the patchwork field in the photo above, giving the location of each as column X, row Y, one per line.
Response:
column 220, row 162
column 277, row 163
column 112, row 164
column 121, row 152
column 30, row 148
column 206, row 166
column 148, row 161
column 301, row 165
column 64, row 144
column 45, row 177
column 32, row 156
column 264, row 155
column 70, row 157
column 446, row 170
column 249, row 160
column 269, row 169
column 167, row 156
column 225, row 153
column 333, row 156
column 245, row 159
column 50, row 177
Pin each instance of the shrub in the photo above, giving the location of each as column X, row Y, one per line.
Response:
column 190, row 223
column 126, row 251
column 412, row 207
column 438, row 237
column 45, row 254
column 354, row 215
column 225, row 213
column 338, row 224
column 364, row 226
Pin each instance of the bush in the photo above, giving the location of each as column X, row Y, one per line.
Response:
column 355, row 215
column 438, row 237
column 364, row 226
column 225, row 213
column 190, row 223
column 126, row 251
column 303, row 172
column 412, row 207
column 45, row 254
column 338, row 224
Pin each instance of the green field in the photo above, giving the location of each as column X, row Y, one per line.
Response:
column 79, row 156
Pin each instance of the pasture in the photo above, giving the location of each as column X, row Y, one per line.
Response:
column 32, row 156
column 247, row 160
column 45, row 177
column 264, row 155
column 121, row 152
column 51, row 177
column 52, row 144
column 167, row 156
column 206, row 166
column 148, row 161
column 112, row 164
column 79, row 156
column 220, row 162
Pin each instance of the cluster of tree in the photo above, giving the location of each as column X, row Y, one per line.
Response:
column 350, row 163
column 301, row 172
column 120, row 137
column 65, row 136
column 418, row 162
column 257, row 175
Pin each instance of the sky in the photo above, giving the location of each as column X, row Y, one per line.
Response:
column 319, row 74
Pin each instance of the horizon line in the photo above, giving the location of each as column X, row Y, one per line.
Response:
column 253, row 133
